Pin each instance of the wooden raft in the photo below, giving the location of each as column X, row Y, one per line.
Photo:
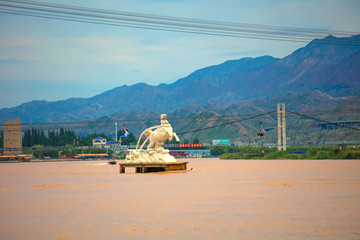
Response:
column 153, row 167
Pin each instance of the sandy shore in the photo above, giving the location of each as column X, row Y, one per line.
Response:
column 244, row 199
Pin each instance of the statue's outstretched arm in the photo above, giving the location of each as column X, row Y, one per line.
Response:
column 176, row 137
column 150, row 128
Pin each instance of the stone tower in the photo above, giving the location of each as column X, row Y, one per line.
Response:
column 12, row 137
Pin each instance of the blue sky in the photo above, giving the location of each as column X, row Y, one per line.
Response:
column 44, row 59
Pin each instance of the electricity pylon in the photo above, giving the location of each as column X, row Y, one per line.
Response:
column 281, row 126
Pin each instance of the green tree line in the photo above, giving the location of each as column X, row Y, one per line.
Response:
column 328, row 152
column 65, row 137
column 62, row 137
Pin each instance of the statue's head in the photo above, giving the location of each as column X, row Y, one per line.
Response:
column 163, row 116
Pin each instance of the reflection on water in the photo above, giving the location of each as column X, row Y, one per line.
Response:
column 247, row 199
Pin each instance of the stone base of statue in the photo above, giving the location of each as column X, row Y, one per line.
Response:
column 154, row 167
column 159, row 155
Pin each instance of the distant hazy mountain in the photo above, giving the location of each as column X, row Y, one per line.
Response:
column 331, row 69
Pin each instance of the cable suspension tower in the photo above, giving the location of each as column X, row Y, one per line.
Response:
column 281, row 126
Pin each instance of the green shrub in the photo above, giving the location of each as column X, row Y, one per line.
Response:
column 254, row 156
column 231, row 156
column 217, row 150
column 352, row 155
column 53, row 153
column 122, row 156
column 242, row 156
column 37, row 154
column 67, row 153
column 299, row 148
column 110, row 152
column 283, row 155
column 322, row 155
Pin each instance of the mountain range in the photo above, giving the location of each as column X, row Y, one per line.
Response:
column 317, row 76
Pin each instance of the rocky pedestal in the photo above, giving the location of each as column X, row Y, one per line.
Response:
column 160, row 155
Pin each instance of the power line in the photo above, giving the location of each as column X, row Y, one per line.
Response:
column 321, row 120
column 42, row 126
column 174, row 120
column 150, row 27
column 217, row 32
column 175, row 19
column 174, row 24
column 124, row 122
column 220, row 125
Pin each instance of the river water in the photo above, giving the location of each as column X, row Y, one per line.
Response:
column 217, row 199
